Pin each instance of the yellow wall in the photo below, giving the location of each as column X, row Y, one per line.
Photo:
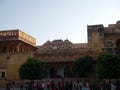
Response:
column 13, row 64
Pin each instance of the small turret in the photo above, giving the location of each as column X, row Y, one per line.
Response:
column 118, row 22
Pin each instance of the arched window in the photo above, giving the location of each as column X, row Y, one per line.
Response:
column 3, row 75
column 109, row 43
column 109, row 46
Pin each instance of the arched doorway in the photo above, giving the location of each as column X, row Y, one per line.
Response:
column 52, row 72
column 68, row 71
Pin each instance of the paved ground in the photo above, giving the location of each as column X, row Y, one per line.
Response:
column 10, row 89
column 15, row 89
column 19, row 89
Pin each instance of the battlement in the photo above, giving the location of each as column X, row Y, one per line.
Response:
column 13, row 35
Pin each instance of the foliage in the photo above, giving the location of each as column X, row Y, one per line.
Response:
column 31, row 69
column 108, row 66
column 83, row 66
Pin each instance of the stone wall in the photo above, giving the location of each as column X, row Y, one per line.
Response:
column 13, row 63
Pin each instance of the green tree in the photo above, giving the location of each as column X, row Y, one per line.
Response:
column 108, row 66
column 32, row 69
column 83, row 66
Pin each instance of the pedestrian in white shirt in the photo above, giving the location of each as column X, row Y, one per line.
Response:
column 85, row 87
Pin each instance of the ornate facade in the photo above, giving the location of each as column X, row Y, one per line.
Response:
column 15, row 47
column 104, row 39
column 58, row 55
column 16, row 41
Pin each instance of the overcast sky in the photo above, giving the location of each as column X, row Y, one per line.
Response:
column 57, row 19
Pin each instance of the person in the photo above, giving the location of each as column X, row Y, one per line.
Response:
column 13, row 85
column 70, row 84
column 59, row 85
column 117, row 85
column 103, row 85
column 113, row 86
column 48, row 85
column 7, row 86
column 80, row 85
column 39, row 85
column 85, row 87
column 52, row 84
column 21, row 86
column 63, row 84
column 43, row 85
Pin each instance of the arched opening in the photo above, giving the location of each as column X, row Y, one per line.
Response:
column 68, row 72
column 3, row 75
column 118, row 46
column 52, row 72
column 109, row 46
column 118, row 43
column 4, row 49
column 109, row 43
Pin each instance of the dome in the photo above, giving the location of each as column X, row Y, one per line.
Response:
column 118, row 22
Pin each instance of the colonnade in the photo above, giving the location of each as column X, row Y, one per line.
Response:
column 16, row 47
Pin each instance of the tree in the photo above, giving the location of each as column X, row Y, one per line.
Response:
column 108, row 66
column 83, row 66
column 32, row 69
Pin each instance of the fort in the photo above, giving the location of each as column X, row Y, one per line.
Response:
column 58, row 55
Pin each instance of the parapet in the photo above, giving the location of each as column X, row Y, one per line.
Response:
column 12, row 35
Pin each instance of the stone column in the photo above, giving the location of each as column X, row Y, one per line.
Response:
column 18, row 48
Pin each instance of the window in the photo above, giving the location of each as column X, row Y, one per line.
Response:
column 109, row 43
column 3, row 75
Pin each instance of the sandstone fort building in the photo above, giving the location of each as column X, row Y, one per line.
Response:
column 58, row 55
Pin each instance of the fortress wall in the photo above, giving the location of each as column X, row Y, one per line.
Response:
column 13, row 64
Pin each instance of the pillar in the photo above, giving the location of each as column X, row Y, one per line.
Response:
column 18, row 48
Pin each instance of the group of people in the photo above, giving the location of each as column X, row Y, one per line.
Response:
column 67, row 85
column 55, row 85
column 111, row 85
column 33, row 85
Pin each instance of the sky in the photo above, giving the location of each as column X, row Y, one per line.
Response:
column 57, row 19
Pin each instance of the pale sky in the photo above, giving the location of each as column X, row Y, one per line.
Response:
column 57, row 19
